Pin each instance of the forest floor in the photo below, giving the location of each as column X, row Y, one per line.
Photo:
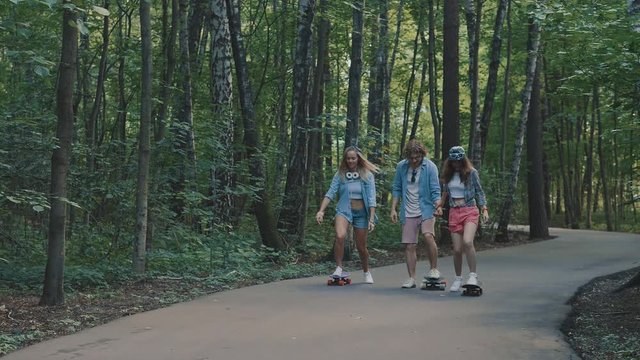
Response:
column 601, row 320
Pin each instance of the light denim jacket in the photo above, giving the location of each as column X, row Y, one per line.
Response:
column 429, row 187
column 472, row 191
column 339, row 186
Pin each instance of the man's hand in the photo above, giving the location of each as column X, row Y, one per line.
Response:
column 394, row 216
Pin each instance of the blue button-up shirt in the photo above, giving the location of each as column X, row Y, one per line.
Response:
column 429, row 187
column 339, row 186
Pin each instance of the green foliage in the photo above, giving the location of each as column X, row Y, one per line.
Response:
column 12, row 342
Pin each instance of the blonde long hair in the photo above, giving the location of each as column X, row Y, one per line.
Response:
column 364, row 166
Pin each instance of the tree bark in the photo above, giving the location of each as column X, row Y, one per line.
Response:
column 538, row 220
column 602, row 160
column 377, row 82
column 53, row 289
column 436, row 120
column 170, row 33
column 144, row 152
column 221, row 96
column 355, row 76
column 451, row 92
column 262, row 204
column 507, row 206
column 296, row 194
column 492, row 80
column 473, row 15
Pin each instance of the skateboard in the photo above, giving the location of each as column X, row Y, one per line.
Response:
column 471, row 290
column 335, row 280
column 433, row 283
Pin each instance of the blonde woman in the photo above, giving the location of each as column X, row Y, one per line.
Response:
column 354, row 183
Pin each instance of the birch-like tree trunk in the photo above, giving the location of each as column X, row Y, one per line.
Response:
column 504, row 116
column 296, row 194
column 185, row 108
column 221, row 95
column 588, row 171
column 532, row 59
column 354, row 93
column 53, row 289
column 263, row 209
column 144, row 152
column 377, row 81
column 386, row 105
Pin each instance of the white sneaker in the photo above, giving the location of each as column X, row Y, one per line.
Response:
column 368, row 279
column 433, row 274
column 457, row 283
column 473, row 279
column 410, row 283
column 338, row 271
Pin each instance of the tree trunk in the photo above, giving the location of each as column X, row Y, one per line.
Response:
column 507, row 206
column 408, row 97
column 53, row 290
column 387, row 107
column 316, row 102
column 451, row 92
column 142, row 193
column 377, row 82
column 505, row 96
column 221, row 95
column 473, row 15
column 492, row 80
column 168, row 68
column 262, row 204
column 436, row 120
column 355, row 75
column 602, row 160
column 296, row 194
column 538, row 220
column 185, row 108
column 588, row 171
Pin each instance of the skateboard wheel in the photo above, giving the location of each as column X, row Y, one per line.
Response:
column 329, row 282
column 348, row 281
column 341, row 282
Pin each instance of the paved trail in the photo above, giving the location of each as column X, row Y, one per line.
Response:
column 526, row 288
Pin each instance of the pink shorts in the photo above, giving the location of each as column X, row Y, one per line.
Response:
column 411, row 226
column 458, row 216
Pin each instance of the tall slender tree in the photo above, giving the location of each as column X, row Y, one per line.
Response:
column 296, row 198
column 450, row 91
column 144, row 141
column 532, row 60
column 53, row 290
column 355, row 75
column 262, row 204
column 538, row 221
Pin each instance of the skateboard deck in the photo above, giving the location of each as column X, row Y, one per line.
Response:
column 335, row 280
column 433, row 283
column 471, row 290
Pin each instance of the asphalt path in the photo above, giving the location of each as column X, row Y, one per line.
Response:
column 518, row 316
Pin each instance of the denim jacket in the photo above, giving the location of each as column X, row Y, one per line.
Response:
column 429, row 187
column 472, row 191
column 339, row 186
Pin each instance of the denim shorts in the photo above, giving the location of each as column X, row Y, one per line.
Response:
column 360, row 218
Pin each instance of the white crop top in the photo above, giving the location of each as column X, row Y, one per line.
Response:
column 456, row 187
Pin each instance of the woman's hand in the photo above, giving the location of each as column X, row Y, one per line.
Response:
column 372, row 226
column 485, row 214
column 320, row 216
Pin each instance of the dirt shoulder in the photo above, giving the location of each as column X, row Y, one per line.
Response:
column 605, row 323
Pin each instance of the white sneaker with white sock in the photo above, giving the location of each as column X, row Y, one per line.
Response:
column 410, row 283
column 368, row 279
column 433, row 274
column 338, row 271
column 457, row 283
column 473, row 279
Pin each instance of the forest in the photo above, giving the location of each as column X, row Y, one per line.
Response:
column 197, row 137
